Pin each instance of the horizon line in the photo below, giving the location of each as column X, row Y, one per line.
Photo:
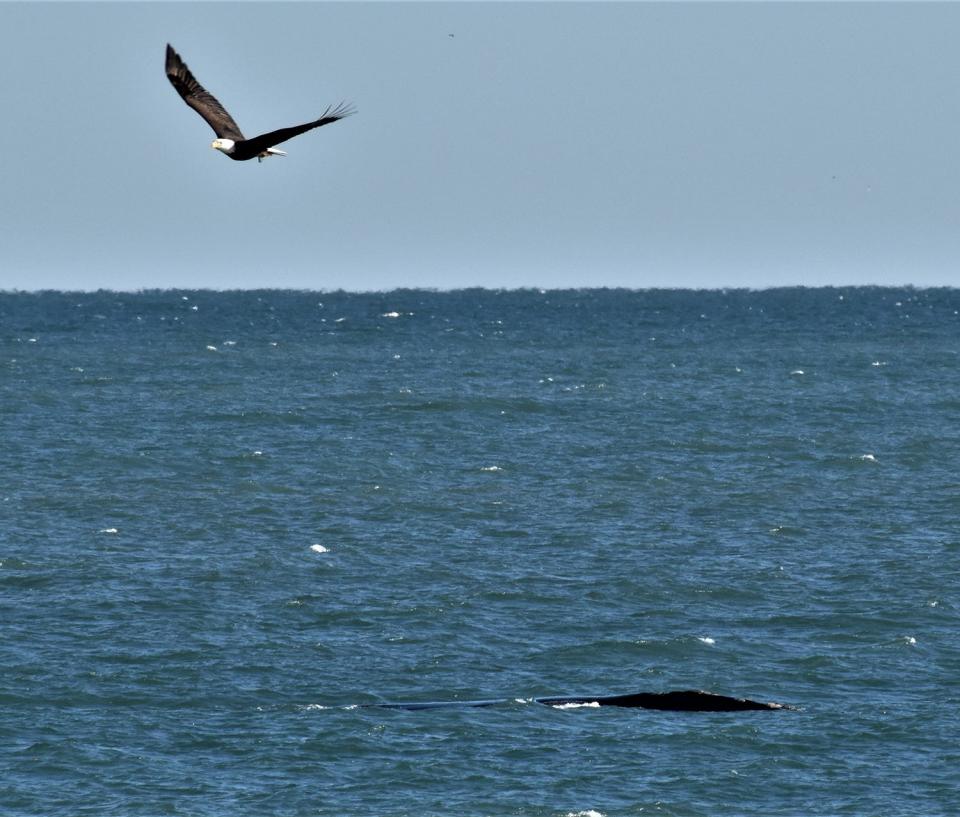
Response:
column 440, row 290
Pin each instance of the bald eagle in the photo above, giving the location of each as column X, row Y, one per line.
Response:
column 230, row 139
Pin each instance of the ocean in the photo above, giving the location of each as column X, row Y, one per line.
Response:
column 228, row 520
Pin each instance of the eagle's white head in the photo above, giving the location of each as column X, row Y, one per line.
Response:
column 224, row 145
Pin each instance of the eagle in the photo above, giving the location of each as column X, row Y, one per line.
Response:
column 230, row 140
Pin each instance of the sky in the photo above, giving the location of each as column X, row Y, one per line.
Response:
column 496, row 144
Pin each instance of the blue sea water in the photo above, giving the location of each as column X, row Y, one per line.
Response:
column 227, row 518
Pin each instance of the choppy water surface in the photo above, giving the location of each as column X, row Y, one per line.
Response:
column 226, row 518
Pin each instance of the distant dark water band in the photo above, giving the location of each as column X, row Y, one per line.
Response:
column 692, row 700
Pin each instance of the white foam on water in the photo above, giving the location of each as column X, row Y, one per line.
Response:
column 491, row 468
column 797, row 371
column 868, row 457
column 108, row 530
column 588, row 813
column 706, row 639
column 311, row 707
column 909, row 640
column 211, row 348
column 588, row 705
column 390, row 315
column 229, row 343
column 319, row 549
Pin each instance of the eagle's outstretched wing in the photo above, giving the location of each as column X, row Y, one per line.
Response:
column 201, row 100
column 258, row 144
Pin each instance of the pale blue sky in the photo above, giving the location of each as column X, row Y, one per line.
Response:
column 544, row 144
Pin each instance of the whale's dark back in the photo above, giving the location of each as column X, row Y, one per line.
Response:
column 691, row 700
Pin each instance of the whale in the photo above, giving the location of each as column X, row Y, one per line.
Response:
column 687, row 700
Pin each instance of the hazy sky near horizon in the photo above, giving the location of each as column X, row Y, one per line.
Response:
column 496, row 144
